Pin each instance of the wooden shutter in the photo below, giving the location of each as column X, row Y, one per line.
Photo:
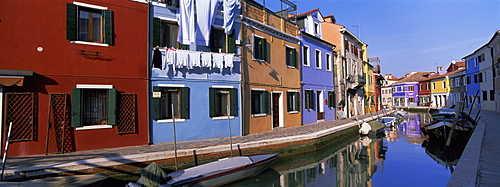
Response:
column 265, row 102
column 311, row 99
column 184, row 102
column 71, row 21
column 211, row 102
column 331, row 99
column 156, row 32
column 183, row 47
column 264, row 49
column 112, row 106
column 156, row 104
column 297, row 101
column 76, row 107
column 108, row 26
column 294, row 58
column 231, row 43
column 233, row 96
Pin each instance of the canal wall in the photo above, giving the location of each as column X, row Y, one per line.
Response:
column 130, row 160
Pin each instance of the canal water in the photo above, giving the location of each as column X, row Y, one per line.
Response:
column 398, row 158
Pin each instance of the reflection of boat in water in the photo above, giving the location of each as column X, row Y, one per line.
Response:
column 215, row 173
column 264, row 179
column 439, row 128
column 448, row 157
column 388, row 121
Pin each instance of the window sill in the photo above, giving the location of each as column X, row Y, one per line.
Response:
column 90, row 127
column 293, row 112
column 170, row 120
column 258, row 115
column 292, row 67
column 222, row 117
column 259, row 60
column 90, row 43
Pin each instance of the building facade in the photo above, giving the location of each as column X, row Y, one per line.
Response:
column 271, row 88
column 318, row 103
column 83, row 75
column 195, row 81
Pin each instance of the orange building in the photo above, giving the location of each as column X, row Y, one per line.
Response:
column 270, row 71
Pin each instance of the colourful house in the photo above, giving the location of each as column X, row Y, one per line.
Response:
column 270, row 73
column 318, row 103
column 195, row 82
column 80, row 75
column 405, row 91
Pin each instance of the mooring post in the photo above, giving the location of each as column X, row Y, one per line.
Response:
column 458, row 110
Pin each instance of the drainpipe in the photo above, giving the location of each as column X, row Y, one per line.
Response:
column 148, row 78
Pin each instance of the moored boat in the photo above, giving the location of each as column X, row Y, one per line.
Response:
column 388, row 121
column 440, row 126
column 217, row 173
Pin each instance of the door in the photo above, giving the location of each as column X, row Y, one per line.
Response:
column 319, row 105
column 58, row 133
column 276, row 109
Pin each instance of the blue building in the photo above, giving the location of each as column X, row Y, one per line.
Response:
column 318, row 101
column 195, row 75
column 473, row 79
column 405, row 91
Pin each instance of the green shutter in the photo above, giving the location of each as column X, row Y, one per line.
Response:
column 294, row 58
column 265, row 102
column 311, row 99
column 183, row 47
column 297, row 101
column 211, row 101
column 184, row 103
column 108, row 26
column 71, row 21
column 231, row 43
column 156, row 104
column 76, row 107
column 233, row 96
column 331, row 99
column 264, row 49
column 156, row 32
column 112, row 106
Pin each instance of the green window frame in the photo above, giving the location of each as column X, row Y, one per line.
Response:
column 291, row 57
column 260, row 48
column 81, row 103
column 220, row 98
column 100, row 32
column 309, row 99
column 165, row 33
column 293, row 101
column 163, row 97
column 260, row 102
column 331, row 99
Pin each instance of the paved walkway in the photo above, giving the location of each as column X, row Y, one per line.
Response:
column 479, row 164
column 32, row 166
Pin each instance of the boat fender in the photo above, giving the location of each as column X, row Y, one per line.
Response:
column 365, row 128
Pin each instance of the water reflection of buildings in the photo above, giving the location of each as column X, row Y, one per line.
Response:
column 352, row 165
column 411, row 127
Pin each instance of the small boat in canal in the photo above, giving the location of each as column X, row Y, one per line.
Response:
column 215, row 173
column 372, row 128
column 388, row 121
column 440, row 126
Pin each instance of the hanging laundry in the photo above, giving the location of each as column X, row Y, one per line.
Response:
column 170, row 55
column 206, row 60
column 218, row 58
column 186, row 34
column 194, row 59
column 205, row 16
column 228, row 60
column 157, row 58
column 230, row 7
column 182, row 59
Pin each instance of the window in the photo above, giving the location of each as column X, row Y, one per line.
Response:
column 93, row 107
column 220, row 99
column 218, row 41
column 165, row 33
column 318, row 59
column 468, row 79
column 260, row 102
column 316, row 28
column 293, row 101
column 411, row 99
column 427, row 86
column 492, row 95
column 305, row 55
column 411, row 88
column 485, row 95
column 165, row 97
column 291, row 57
column 433, row 86
column 309, row 99
column 331, row 99
column 480, row 77
column 444, row 84
column 328, row 62
column 420, row 87
column 89, row 23
column 259, row 48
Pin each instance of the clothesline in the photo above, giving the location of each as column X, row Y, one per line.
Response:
column 190, row 59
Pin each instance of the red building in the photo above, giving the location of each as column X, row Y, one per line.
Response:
column 73, row 75
column 424, row 92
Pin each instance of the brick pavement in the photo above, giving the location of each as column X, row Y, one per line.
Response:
column 32, row 166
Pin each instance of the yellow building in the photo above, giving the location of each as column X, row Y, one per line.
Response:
column 270, row 69
column 440, row 90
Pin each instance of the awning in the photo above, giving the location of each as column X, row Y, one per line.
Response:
column 11, row 80
column 10, row 77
